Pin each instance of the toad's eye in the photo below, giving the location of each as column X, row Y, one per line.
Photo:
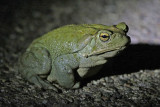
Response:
column 104, row 37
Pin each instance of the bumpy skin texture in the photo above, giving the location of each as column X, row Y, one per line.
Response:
column 72, row 49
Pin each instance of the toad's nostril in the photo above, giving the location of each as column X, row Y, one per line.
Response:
column 126, row 30
column 123, row 27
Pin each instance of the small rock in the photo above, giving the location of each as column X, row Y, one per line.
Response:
column 94, row 82
column 44, row 101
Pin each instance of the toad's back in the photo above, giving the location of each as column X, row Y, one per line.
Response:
column 64, row 40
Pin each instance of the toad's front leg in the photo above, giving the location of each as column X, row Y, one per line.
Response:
column 64, row 71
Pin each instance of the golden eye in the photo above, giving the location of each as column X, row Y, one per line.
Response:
column 104, row 37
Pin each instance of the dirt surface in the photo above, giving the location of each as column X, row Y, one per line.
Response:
column 131, row 79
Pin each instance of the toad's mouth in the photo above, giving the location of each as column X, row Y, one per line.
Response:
column 102, row 51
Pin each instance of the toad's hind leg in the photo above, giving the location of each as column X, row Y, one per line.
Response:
column 34, row 63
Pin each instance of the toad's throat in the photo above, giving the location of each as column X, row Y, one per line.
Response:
column 104, row 51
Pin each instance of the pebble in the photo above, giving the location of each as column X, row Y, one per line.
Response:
column 94, row 82
column 44, row 101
